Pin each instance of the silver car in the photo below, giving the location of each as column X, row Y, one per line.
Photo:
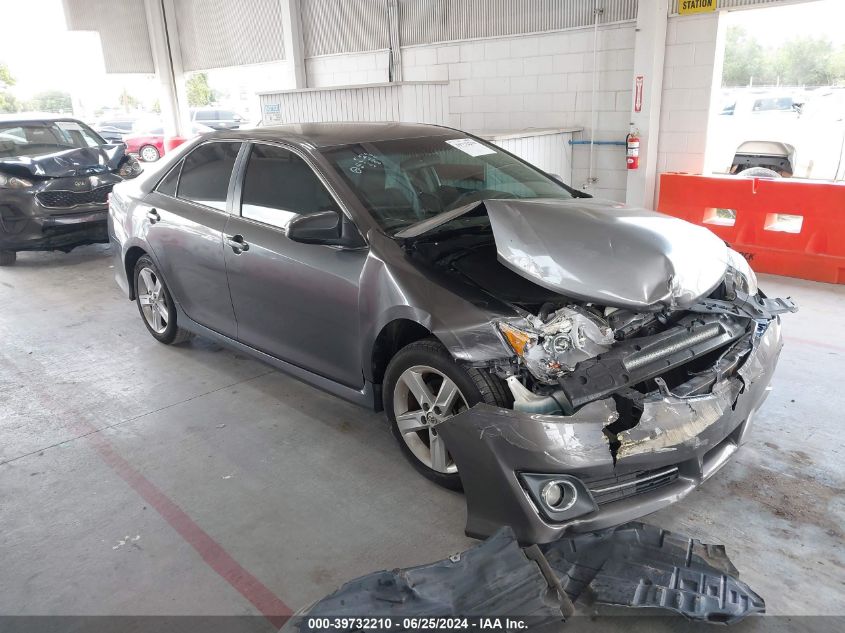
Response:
column 572, row 363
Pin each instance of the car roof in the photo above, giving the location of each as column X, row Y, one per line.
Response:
column 31, row 117
column 329, row 134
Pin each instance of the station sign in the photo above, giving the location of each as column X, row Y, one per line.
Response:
column 691, row 7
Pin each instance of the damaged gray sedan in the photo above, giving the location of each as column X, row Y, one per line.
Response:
column 572, row 363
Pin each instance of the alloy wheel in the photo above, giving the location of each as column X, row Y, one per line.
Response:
column 149, row 154
column 424, row 397
column 153, row 301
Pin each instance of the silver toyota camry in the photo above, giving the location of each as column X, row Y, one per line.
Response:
column 571, row 362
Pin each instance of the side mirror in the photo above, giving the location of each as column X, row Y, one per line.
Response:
column 325, row 227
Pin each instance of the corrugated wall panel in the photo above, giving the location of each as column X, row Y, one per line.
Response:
column 219, row 33
column 430, row 21
column 122, row 25
column 347, row 26
column 550, row 152
column 416, row 102
column 738, row 4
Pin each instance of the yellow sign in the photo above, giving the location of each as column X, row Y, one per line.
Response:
column 690, row 7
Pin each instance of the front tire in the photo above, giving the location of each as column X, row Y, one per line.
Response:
column 7, row 258
column 424, row 385
column 155, row 304
column 149, row 154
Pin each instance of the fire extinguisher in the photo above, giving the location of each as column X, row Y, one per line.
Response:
column 632, row 143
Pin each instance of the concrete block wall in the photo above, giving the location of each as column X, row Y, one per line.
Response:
column 690, row 61
column 519, row 82
column 348, row 69
column 539, row 81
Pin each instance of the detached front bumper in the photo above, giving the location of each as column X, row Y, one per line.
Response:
column 504, row 456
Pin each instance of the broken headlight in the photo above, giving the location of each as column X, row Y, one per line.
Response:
column 555, row 345
column 13, row 182
column 741, row 274
column 130, row 168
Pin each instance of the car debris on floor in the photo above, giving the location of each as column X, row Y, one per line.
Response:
column 633, row 565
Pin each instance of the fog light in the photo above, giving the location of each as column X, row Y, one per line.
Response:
column 559, row 496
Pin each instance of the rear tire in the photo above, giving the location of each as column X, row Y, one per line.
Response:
column 149, row 153
column 155, row 304
column 7, row 258
column 759, row 172
column 429, row 365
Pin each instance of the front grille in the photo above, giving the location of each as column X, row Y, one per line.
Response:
column 609, row 489
column 61, row 199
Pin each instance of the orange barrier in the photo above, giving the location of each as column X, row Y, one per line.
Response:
column 782, row 226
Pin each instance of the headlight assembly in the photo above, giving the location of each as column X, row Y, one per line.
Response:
column 743, row 277
column 517, row 339
column 130, row 168
column 13, row 182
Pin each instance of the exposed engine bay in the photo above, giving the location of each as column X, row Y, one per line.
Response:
column 568, row 353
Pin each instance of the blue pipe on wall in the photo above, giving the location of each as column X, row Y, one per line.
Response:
column 622, row 143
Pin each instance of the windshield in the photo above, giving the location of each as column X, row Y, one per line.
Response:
column 35, row 138
column 405, row 181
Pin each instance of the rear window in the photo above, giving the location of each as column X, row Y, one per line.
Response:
column 206, row 173
column 36, row 138
column 206, row 115
column 774, row 104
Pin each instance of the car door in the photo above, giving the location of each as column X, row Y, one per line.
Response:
column 295, row 301
column 186, row 216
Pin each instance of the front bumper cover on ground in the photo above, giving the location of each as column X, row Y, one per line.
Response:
column 634, row 565
column 677, row 444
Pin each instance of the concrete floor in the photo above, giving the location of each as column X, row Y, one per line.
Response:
column 137, row 478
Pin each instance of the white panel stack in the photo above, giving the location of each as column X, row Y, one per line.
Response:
column 418, row 102
column 547, row 149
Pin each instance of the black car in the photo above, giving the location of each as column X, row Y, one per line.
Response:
column 55, row 178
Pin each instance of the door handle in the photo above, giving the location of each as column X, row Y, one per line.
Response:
column 153, row 216
column 237, row 243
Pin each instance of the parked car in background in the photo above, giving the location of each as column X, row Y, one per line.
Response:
column 572, row 362
column 55, row 178
column 218, row 118
column 149, row 145
column 755, row 129
column 113, row 130
column 788, row 133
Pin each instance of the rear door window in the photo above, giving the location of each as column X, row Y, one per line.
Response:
column 279, row 186
column 206, row 174
column 167, row 185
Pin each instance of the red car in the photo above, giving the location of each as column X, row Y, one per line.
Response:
column 149, row 145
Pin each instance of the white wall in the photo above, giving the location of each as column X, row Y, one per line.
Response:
column 538, row 81
column 545, row 80
column 688, row 79
column 347, row 69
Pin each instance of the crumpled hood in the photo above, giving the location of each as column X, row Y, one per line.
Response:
column 607, row 253
column 82, row 161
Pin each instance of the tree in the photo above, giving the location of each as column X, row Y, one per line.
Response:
column 8, row 102
column 127, row 101
column 805, row 61
column 6, row 78
column 746, row 60
column 199, row 92
column 838, row 66
column 51, row 101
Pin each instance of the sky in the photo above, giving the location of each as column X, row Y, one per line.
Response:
column 43, row 55
column 773, row 25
